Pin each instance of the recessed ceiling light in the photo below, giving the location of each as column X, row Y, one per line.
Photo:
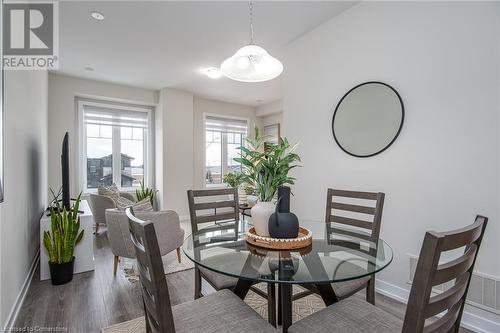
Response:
column 212, row 72
column 97, row 16
column 90, row 69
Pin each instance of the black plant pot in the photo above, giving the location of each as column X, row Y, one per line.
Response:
column 61, row 273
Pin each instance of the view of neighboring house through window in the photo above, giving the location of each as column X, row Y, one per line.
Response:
column 222, row 138
column 114, row 136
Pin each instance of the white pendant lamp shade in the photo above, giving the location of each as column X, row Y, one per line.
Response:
column 251, row 63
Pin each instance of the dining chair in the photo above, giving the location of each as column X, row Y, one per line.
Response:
column 355, row 315
column 221, row 311
column 204, row 211
column 214, row 206
column 344, row 208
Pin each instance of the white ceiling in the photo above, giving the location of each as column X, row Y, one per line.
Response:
column 166, row 44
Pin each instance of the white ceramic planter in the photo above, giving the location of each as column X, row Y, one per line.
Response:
column 260, row 217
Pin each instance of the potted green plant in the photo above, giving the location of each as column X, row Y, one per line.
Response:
column 235, row 179
column 144, row 192
column 61, row 240
column 265, row 170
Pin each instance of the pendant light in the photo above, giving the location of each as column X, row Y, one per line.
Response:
column 251, row 63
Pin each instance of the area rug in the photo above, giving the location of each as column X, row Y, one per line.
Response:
column 301, row 308
column 170, row 265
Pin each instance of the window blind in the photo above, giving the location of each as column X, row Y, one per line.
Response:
column 226, row 125
column 94, row 115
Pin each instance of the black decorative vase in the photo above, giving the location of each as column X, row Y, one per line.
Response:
column 61, row 273
column 282, row 223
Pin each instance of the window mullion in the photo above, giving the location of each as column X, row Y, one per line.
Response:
column 224, row 153
column 117, row 160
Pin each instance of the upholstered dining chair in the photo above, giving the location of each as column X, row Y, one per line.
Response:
column 212, row 206
column 221, row 311
column 170, row 233
column 363, row 211
column 355, row 316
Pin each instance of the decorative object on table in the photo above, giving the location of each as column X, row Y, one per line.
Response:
column 266, row 171
column 282, row 223
column 251, row 63
column 368, row 119
column 235, row 179
column 304, row 239
column 61, row 240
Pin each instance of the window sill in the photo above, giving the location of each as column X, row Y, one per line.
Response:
column 215, row 186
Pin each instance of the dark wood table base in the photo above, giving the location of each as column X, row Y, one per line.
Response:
column 285, row 300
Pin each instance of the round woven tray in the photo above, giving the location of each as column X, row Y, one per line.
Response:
column 303, row 240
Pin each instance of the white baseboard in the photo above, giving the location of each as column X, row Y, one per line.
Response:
column 11, row 318
column 470, row 321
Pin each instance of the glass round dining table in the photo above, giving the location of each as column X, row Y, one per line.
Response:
column 336, row 254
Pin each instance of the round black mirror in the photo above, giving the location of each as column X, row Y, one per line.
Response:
column 368, row 119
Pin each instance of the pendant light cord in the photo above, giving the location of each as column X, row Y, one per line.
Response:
column 250, row 5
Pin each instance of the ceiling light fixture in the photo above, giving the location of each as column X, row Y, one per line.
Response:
column 251, row 63
column 212, row 72
column 97, row 16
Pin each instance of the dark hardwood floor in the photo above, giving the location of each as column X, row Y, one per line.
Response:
column 97, row 299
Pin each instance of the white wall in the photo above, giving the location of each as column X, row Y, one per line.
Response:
column 63, row 116
column 443, row 58
column 269, row 108
column 25, row 163
column 176, row 140
column 276, row 118
column 201, row 106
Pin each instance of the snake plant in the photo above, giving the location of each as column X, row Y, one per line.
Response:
column 144, row 192
column 267, row 169
column 65, row 232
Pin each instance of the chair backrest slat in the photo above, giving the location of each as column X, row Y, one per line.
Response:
column 215, row 204
column 353, row 208
column 215, row 217
column 448, row 298
column 195, row 207
column 374, row 213
column 422, row 305
column 452, row 269
column 155, row 296
column 351, row 222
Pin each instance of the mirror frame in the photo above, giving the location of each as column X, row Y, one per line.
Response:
column 397, row 133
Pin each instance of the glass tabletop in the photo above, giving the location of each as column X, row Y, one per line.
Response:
column 336, row 254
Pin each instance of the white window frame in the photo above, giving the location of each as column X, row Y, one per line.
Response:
column 148, row 148
column 223, row 149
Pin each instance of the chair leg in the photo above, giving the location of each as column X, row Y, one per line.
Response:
column 96, row 229
column 271, row 304
column 280, row 313
column 370, row 291
column 197, row 283
column 179, row 254
column 115, row 264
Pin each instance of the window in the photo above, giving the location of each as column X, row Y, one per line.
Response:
column 114, row 145
column 222, row 138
